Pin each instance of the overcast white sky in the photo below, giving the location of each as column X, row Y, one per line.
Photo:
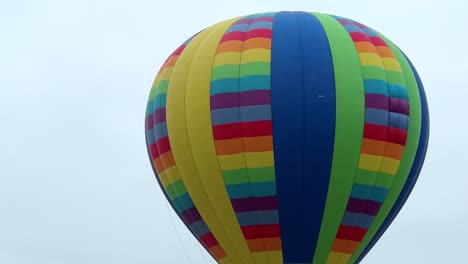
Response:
column 76, row 185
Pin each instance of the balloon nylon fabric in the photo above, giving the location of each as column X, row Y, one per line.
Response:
column 262, row 133
column 303, row 110
column 385, row 133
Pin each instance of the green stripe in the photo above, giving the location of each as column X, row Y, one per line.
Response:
column 175, row 189
column 408, row 154
column 395, row 77
column 374, row 72
column 152, row 94
column 159, row 87
column 225, row 71
column 383, row 180
column 242, row 70
column 255, row 68
column 348, row 134
column 239, row 176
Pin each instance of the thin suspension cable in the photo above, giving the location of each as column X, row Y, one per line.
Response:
column 178, row 236
column 203, row 253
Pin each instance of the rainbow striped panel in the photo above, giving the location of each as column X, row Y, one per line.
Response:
column 163, row 160
column 384, row 138
column 287, row 137
column 240, row 105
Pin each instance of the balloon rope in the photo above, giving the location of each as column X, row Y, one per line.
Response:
column 178, row 236
column 203, row 253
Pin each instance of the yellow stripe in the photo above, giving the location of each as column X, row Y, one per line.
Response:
column 224, row 58
column 370, row 59
column 370, row 162
column 224, row 260
column 154, row 85
column 391, row 64
column 260, row 257
column 252, row 55
column 166, row 73
column 253, row 159
column 259, row 159
column 164, row 180
column 192, row 142
column 338, row 258
column 172, row 175
column 275, row 257
column 389, row 165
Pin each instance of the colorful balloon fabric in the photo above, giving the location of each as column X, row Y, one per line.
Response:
column 287, row 137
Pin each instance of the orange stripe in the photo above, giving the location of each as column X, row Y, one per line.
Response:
column 257, row 43
column 264, row 244
column 229, row 146
column 373, row 147
column 232, row 45
column 157, row 163
column 364, row 46
column 344, row 246
column 382, row 148
column 256, row 245
column 164, row 161
column 385, row 52
column 217, row 252
column 247, row 144
column 167, row 159
column 171, row 62
column 258, row 144
column 394, row 151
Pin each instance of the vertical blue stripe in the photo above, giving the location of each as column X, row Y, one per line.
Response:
column 303, row 114
column 415, row 169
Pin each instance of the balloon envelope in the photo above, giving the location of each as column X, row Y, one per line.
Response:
column 287, row 137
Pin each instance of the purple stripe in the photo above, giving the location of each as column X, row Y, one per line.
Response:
column 149, row 122
column 399, row 106
column 377, row 101
column 363, row 206
column 228, row 100
column 255, row 204
column 159, row 116
column 251, row 20
column 191, row 215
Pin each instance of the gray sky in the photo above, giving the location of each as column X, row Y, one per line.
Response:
column 75, row 182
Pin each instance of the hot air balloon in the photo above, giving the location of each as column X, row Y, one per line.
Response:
column 287, row 137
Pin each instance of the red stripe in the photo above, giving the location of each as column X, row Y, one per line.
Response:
column 235, row 35
column 154, row 151
column 245, row 129
column 375, row 132
column 163, row 146
column 383, row 133
column 208, row 240
column 261, row 231
column 396, row 135
column 259, row 33
column 178, row 51
column 378, row 41
column 359, row 36
column 351, row 233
